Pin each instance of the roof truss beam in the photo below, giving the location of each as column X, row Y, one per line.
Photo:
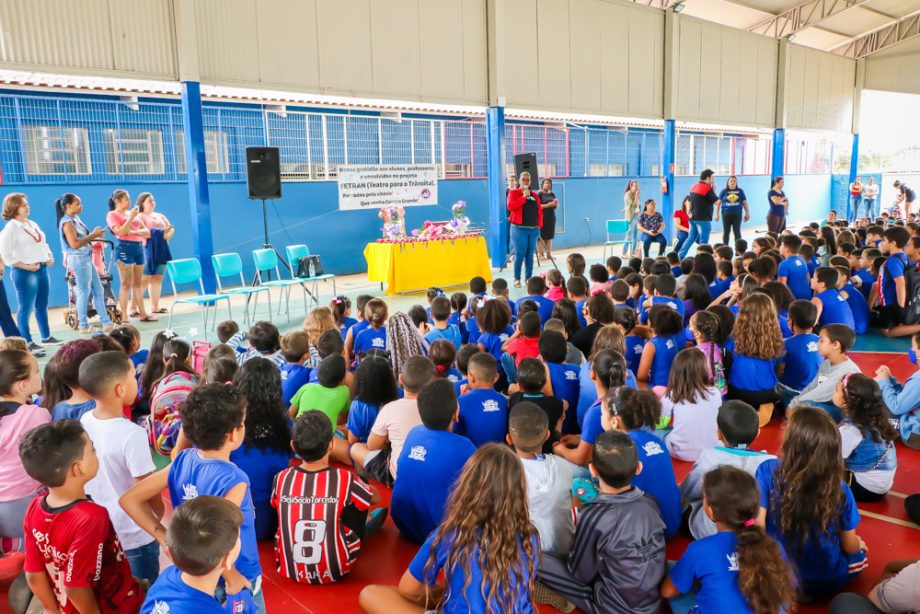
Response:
column 892, row 34
column 802, row 16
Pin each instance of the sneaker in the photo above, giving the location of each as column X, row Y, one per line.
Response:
column 34, row 347
column 375, row 520
column 52, row 341
column 544, row 595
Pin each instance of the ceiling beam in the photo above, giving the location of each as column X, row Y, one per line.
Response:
column 892, row 34
column 802, row 16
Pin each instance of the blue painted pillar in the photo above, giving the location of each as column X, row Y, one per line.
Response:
column 197, row 176
column 854, row 159
column 668, row 150
column 498, row 215
column 778, row 168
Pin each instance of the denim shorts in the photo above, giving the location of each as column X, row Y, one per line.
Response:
column 130, row 252
column 159, row 269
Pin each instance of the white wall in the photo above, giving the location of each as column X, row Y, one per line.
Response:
column 415, row 49
column 117, row 37
column 724, row 75
column 896, row 69
column 584, row 56
column 819, row 90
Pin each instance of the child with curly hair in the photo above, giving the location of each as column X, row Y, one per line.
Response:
column 758, row 343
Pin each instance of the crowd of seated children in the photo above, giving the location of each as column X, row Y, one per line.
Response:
column 427, row 403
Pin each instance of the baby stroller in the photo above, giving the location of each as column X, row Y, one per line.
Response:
column 102, row 266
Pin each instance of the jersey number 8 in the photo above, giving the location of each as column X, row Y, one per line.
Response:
column 309, row 536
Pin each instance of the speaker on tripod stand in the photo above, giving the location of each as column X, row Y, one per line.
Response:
column 263, row 179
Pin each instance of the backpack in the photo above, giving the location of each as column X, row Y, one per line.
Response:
column 912, row 282
column 309, row 267
column 199, row 353
column 165, row 419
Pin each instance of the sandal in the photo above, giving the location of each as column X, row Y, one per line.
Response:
column 162, row 310
column 148, row 318
column 134, row 314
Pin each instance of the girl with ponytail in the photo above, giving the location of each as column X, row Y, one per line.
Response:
column 125, row 223
column 76, row 245
column 740, row 569
column 169, row 395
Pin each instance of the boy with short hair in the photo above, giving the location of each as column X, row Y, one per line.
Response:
column 463, row 361
column 573, row 355
column 500, row 290
column 833, row 342
column 536, row 288
column 226, row 330
column 577, row 288
column 532, row 384
column 802, row 359
column 203, row 541
column 483, row 412
column 123, row 450
column 618, row 558
column 441, row 326
column 831, row 305
column 807, row 253
column 213, row 420
column 73, row 561
column 892, row 284
column 723, row 253
column 613, row 266
column 563, row 378
column 329, row 344
column 724, row 278
column 859, row 307
column 793, row 270
column 874, row 236
column 524, row 342
column 664, row 289
column 393, row 423
column 619, row 292
column 322, row 510
column 264, row 340
column 431, row 460
column 478, row 286
column 674, row 264
column 294, row 374
column 549, row 479
column 329, row 395
column 738, row 427
column 867, row 257
column 741, row 246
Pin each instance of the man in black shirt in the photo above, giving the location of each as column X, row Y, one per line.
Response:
column 703, row 201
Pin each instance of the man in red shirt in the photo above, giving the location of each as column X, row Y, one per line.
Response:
column 703, row 201
column 74, row 561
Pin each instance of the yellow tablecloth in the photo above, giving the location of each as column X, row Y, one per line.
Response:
column 417, row 266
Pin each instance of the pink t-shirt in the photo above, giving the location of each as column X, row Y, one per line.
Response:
column 115, row 220
column 555, row 293
column 153, row 220
column 15, row 483
column 395, row 420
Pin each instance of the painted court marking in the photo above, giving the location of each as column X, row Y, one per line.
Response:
column 882, row 517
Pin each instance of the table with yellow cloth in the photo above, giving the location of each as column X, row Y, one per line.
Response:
column 405, row 267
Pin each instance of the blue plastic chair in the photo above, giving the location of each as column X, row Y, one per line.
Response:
column 188, row 271
column 616, row 227
column 231, row 265
column 266, row 263
column 294, row 255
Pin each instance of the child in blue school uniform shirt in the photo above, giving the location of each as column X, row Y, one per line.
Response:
column 563, row 378
column 483, row 413
column 706, row 578
column 833, row 306
column 802, row 359
column 341, row 312
column 662, row 348
column 793, row 271
column 375, row 386
column 374, row 337
column 431, row 460
column 536, row 288
column 294, row 374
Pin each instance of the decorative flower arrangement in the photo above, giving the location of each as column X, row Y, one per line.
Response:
column 394, row 223
column 394, row 228
column 460, row 222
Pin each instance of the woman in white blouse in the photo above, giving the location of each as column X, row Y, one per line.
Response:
column 154, row 271
column 24, row 250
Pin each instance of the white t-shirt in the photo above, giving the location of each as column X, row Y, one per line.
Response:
column 694, row 425
column 875, row 481
column 395, row 420
column 870, row 191
column 124, row 454
column 549, row 494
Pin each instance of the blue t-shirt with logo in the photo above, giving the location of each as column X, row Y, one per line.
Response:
column 483, row 417
column 670, row 301
column 564, row 379
column 719, row 286
column 346, row 323
column 750, row 373
column 293, row 378
column 191, row 475
column 544, row 306
column 451, row 333
column 428, row 465
column 860, row 308
column 795, row 271
column 361, row 418
column 492, row 342
column 371, row 339
column 710, row 566
column 802, row 360
column 834, row 309
column 580, row 309
column 657, row 477
column 170, row 595
column 666, row 348
column 893, row 268
column 732, row 199
column 634, row 346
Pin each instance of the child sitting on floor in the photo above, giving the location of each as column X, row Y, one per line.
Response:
column 801, row 361
column 524, row 343
column 264, row 340
column 833, row 343
column 536, row 289
column 556, row 284
column 483, row 413
column 374, row 337
column 441, row 326
column 532, row 382
column 329, row 395
column 832, row 306
column 294, row 375
column 67, row 361
column 690, row 406
column 563, row 378
column 462, row 361
column 707, row 332
column 657, row 355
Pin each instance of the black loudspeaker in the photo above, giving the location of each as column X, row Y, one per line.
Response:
column 263, row 173
column 528, row 163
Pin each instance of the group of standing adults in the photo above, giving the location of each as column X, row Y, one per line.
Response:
column 693, row 220
column 862, row 199
column 25, row 251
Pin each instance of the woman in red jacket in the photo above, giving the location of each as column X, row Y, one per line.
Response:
column 526, row 217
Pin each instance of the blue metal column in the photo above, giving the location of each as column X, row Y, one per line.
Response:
column 498, row 215
column 854, row 159
column 668, row 149
column 778, row 167
column 197, row 175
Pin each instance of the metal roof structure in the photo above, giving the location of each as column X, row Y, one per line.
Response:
column 851, row 28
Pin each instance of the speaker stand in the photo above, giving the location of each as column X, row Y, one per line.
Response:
column 267, row 245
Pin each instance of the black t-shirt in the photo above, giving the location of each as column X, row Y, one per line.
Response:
column 546, row 198
column 584, row 338
column 529, row 213
column 909, row 194
column 702, row 198
column 551, row 406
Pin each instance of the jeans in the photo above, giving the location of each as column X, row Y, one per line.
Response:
column 145, row 561
column 681, row 239
column 853, row 210
column 868, row 207
column 7, row 323
column 525, row 245
column 699, row 233
column 731, row 224
column 32, row 294
column 631, row 241
column 87, row 280
column 648, row 239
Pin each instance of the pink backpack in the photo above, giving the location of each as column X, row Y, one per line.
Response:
column 165, row 419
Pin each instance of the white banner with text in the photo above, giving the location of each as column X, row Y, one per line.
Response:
column 364, row 186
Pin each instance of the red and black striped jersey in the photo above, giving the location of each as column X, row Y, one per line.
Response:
column 313, row 544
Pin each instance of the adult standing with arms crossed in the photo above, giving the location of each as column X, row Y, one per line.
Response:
column 157, row 249
column 23, row 248
column 549, row 203
column 123, row 221
column 526, row 217
column 779, row 207
column 869, row 196
column 906, row 197
column 76, row 245
column 703, row 201
column 734, row 209
column 856, row 196
column 631, row 207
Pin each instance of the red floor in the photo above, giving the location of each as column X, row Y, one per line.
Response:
column 888, row 534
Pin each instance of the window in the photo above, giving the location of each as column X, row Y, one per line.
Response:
column 57, row 151
column 607, row 170
column 215, row 152
column 133, row 152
